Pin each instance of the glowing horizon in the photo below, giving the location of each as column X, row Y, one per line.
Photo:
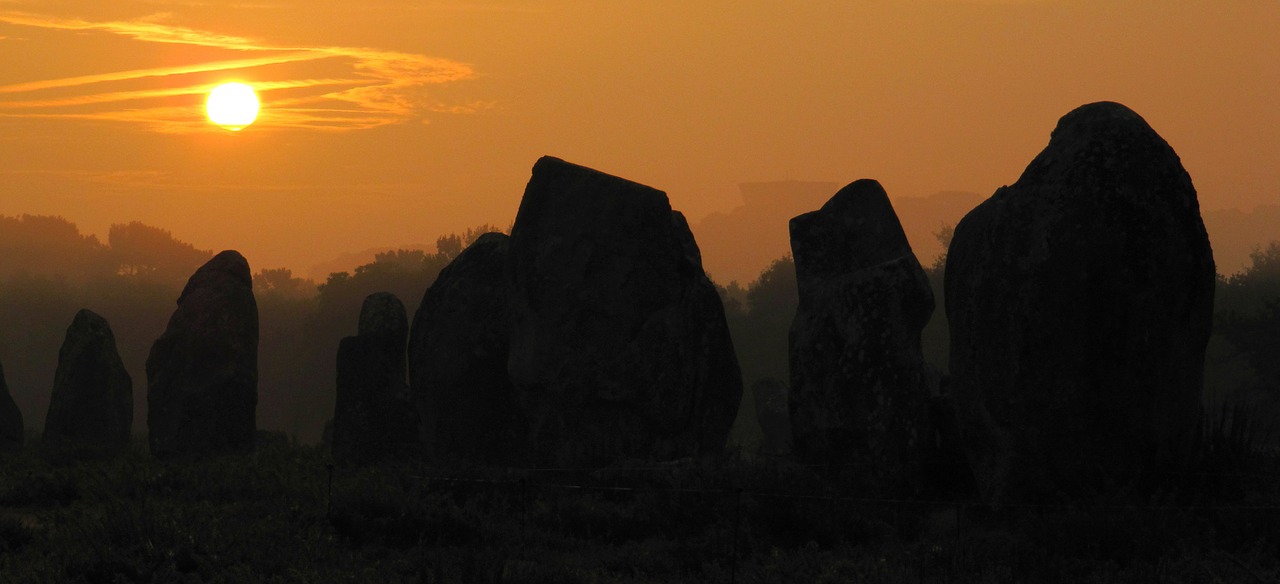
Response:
column 401, row 121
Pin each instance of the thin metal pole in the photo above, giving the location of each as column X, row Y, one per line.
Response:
column 737, row 521
column 328, row 505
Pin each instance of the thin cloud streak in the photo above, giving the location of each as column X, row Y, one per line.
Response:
column 384, row 87
column 170, row 92
column 161, row 72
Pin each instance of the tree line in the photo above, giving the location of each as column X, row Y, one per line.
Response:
column 50, row 270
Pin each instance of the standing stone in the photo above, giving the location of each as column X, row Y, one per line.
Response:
column 619, row 347
column 11, row 430
column 374, row 416
column 92, row 400
column 1080, row 301
column 773, row 415
column 859, row 383
column 458, row 351
column 202, row 373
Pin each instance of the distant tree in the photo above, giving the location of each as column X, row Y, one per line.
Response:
column 936, row 336
column 42, row 245
column 143, row 251
column 280, row 281
column 775, row 293
column 759, row 319
column 451, row 245
column 944, row 234
column 761, row 334
column 733, row 297
column 1250, row 290
column 1247, row 315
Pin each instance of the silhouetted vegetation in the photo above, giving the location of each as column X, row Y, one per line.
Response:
column 1248, row 318
column 51, row 271
column 271, row 517
column 759, row 318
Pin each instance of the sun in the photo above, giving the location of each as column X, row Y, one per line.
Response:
column 232, row 105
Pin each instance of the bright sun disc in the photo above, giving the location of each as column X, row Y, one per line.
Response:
column 232, row 105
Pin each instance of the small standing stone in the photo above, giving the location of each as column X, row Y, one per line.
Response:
column 92, row 400
column 374, row 417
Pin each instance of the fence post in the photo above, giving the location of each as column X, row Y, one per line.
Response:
column 524, row 509
column 737, row 521
column 328, row 503
column 955, row 549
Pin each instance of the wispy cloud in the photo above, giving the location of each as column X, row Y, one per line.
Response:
column 374, row 87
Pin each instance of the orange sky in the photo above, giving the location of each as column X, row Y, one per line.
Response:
column 391, row 122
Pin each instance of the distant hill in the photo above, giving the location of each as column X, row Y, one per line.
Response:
column 740, row 243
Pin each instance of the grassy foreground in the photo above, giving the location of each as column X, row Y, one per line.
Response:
column 271, row 517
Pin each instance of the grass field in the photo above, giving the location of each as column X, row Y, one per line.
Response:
column 283, row 515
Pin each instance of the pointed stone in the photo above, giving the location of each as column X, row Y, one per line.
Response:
column 859, row 384
column 202, row 373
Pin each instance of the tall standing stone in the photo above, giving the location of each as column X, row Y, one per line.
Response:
column 1080, row 301
column 458, row 349
column 11, row 429
column 374, row 417
column 619, row 347
column 202, row 373
column 92, row 400
column 859, row 383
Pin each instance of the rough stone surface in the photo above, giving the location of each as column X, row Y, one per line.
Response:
column 773, row 415
column 458, row 351
column 374, row 417
column 619, row 347
column 202, row 373
column 1080, row 300
column 11, row 429
column 859, row 384
column 92, row 400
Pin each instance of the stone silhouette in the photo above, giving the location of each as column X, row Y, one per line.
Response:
column 458, row 351
column 859, row 383
column 92, row 400
column 1080, row 301
column 11, row 429
column 773, row 415
column 618, row 342
column 202, row 373
column 374, row 417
